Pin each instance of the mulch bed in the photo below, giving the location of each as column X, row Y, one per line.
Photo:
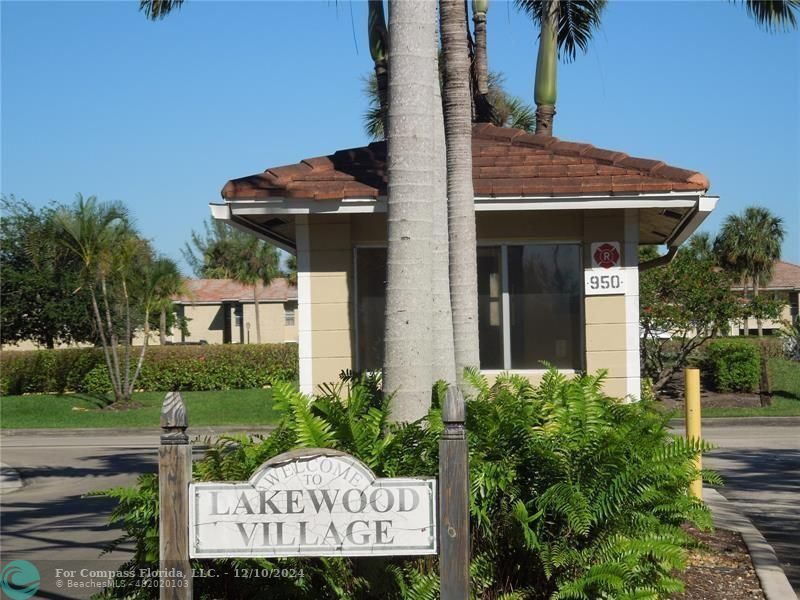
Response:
column 720, row 569
column 672, row 396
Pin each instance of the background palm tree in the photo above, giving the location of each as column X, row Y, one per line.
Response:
column 748, row 245
column 223, row 252
column 124, row 279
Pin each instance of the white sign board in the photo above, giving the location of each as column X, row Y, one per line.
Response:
column 313, row 502
column 599, row 282
column 606, row 275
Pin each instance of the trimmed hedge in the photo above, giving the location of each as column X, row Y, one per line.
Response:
column 184, row 368
column 734, row 365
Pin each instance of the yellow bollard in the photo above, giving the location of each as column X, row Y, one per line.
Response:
column 692, row 381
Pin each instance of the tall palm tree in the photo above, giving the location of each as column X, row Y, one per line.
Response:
column 566, row 26
column 410, row 165
column 748, row 245
column 460, row 193
column 379, row 51
column 506, row 110
column 479, row 10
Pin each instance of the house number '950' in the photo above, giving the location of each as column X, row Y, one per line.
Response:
column 605, row 282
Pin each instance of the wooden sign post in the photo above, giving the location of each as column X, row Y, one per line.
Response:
column 454, row 503
column 313, row 502
column 174, row 475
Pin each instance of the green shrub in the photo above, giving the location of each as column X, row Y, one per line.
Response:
column 573, row 495
column 734, row 365
column 185, row 368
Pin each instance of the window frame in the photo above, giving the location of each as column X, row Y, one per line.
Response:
column 505, row 297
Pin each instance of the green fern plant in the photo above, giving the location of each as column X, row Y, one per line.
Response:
column 574, row 495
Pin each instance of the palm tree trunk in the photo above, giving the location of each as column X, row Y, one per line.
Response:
column 378, row 38
column 444, row 365
column 758, row 316
column 460, row 195
column 162, row 327
column 479, row 10
column 258, row 314
column 104, row 341
column 545, row 88
column 116, row 380
column 141, row 354
column 410, row 164
column 126, row 388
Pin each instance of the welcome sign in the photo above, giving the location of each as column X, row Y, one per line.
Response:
column 313, row 502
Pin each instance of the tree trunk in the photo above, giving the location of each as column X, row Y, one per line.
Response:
column 545, row 88
column 460, row 196
column 162, row 327
column 112, row 374
column 479, row 9
column 376, row 23
column 410, row 164
column 258, row 314
column 116, row 379
column 444, row 366
column 758, row 316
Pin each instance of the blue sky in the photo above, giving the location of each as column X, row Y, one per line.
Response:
column 97, row 100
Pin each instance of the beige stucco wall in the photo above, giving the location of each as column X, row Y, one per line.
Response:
column 273, row 329
column 329, row 246
column 324, row 299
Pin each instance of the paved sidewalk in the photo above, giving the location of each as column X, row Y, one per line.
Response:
column 768, row 568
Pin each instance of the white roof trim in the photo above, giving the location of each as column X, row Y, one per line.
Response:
column 291, row 206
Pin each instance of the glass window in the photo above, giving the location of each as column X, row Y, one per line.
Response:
column 371, row 306
column 490, row 307
column 544, row 285
column 544, row 294
column 288, row 313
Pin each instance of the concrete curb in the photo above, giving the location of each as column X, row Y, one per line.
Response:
column 201, row 431
column 10, row 479
column 768, row 568
column 728, row 421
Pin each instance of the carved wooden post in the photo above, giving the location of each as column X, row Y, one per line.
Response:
column 174, row 475
column 454, row 553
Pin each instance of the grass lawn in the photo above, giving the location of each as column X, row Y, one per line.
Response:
column 233, row 407
column 785, row 376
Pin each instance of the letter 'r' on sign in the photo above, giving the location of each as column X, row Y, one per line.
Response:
column 605, row 255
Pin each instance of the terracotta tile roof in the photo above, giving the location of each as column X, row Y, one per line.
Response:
column 217, row 290
column 785, row 276
column 506, row 162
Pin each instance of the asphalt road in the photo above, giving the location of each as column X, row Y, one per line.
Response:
column 49, row 521
column 760, row 464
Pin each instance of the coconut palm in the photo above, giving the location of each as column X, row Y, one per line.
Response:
column 379, row 51
column 748, row 245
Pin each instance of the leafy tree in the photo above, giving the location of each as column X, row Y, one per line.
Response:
column 223, row 252
column 40, row 299
column 748, row 246
column 682, row 305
